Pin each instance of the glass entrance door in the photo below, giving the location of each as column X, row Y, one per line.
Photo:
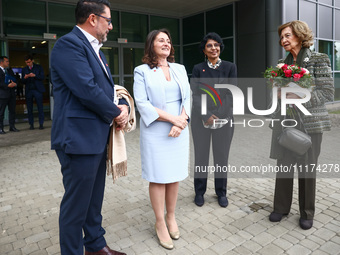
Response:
column 122, row 60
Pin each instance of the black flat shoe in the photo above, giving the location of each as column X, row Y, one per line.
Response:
column 276, row 217
column 223, row 201
column 13, row 129
column 306, row 224
column 31, row 127
column 2, row 132
column 41, row 127
column 199, row 200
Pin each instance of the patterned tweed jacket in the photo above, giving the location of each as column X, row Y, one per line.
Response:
column 319, row 66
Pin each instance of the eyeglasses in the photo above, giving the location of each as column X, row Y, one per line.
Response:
column 109, row 21
column 216, row 45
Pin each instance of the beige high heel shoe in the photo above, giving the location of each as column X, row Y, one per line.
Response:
column 167, row 245
column 175, row 234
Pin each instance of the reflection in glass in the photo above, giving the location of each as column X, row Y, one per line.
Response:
column 134, row 26
column 60, row 24
column 327, row 47
column 337, row 86
column 111, row 55
column 24, row 17
column 337, row 56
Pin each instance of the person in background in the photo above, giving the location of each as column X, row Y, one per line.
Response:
column 85, row 106
column 162, row 95
column 33, row 77
column 7, row 94
column 204, row 130
column 296, row 38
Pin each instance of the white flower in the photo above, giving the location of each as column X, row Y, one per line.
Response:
column 306, row 59
column 280, row 65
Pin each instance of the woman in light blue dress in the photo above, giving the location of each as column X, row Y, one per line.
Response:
column 162, row 94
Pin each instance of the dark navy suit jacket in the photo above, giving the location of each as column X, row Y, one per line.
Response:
column 83, row 96
column 38, row 80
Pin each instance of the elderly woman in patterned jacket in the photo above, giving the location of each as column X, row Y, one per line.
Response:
column 296, row 38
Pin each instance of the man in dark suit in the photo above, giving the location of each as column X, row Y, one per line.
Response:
column 7, row 94
column 84, row 107
column 33, row 77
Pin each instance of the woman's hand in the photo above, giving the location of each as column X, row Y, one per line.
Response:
column 211, row 119
column 180, row 121
column 175, row 131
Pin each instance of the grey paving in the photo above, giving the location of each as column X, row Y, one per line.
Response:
column 31, row 191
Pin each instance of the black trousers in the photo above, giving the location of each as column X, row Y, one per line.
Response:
column 221, row 140
column 307, row 181
column 11, row 103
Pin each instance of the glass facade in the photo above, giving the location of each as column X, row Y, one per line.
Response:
column 24, row 17
column 323, row 17
column 60, row 19
column 134, row 26
column 220, row 21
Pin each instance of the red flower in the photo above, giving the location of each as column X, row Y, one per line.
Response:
column 274, row 74
column 288, row 73
column 302, row 71
column 297, row 76
column 284, row 67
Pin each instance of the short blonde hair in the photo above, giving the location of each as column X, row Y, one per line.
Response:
column 301, row 30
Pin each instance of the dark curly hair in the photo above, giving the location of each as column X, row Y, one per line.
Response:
column 150, row 56
column 211, row 36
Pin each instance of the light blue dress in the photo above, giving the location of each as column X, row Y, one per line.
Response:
column 165, row 159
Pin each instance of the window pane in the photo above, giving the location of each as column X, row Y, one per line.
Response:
column 228, row 52
column 114, row 33
column 326, row 21
column 134, row 27
column 337, row 56
column 60, row 24
column 132, row 58
column 171, row 24
column 111, row 55
column 193, row 29
column 128, row 84
column 337, row 3
column 326, row 47
column 177, row 54
column 308, row 14
column 191, row 57
column 292, row 14
column 220, row 21
column 24, row 17
column 329, row 2
column 337, row 24
column 337, row 86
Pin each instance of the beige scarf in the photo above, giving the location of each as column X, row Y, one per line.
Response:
column 116, row 163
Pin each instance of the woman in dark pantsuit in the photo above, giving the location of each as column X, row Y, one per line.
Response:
column 204, row 126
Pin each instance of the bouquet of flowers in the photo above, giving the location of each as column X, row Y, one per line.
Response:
column 283, row 74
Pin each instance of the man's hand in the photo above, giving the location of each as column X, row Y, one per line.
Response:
column 12, row 84
column 122, row 118
column 175, row 131
column 30, row 75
